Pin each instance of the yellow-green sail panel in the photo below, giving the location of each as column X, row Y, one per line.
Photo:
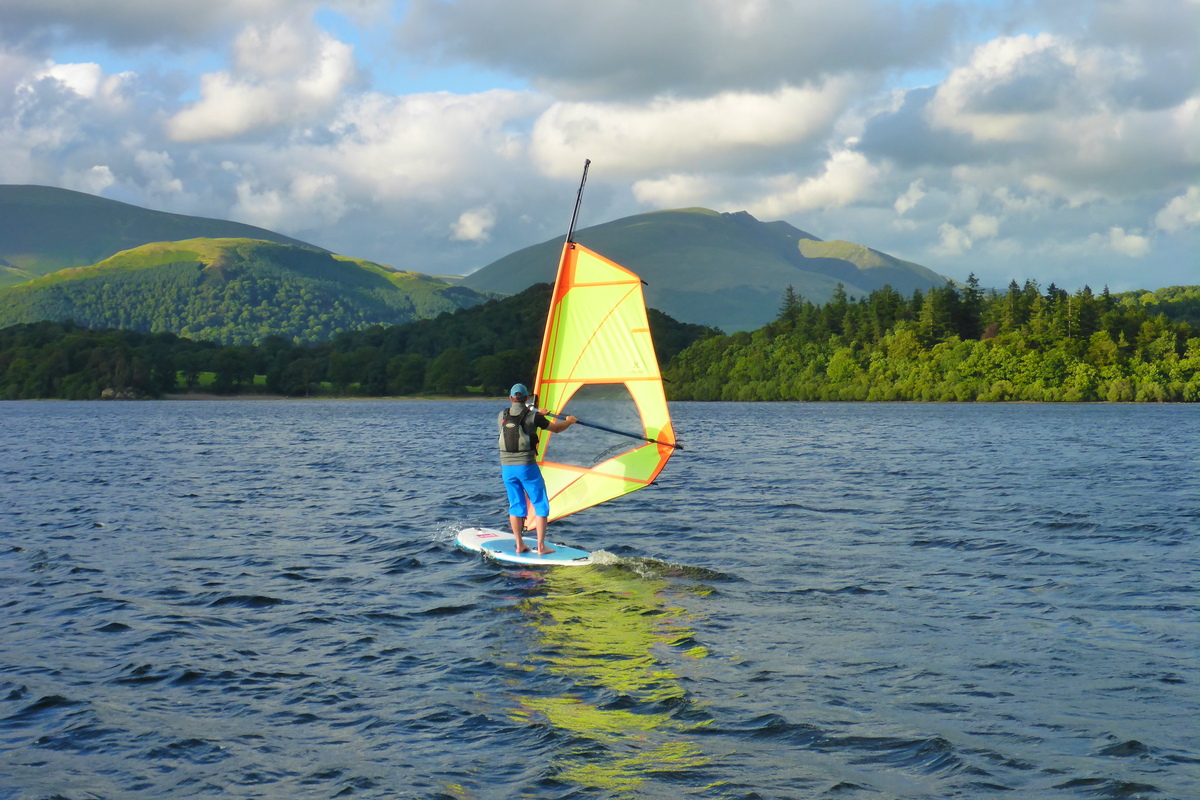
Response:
column 598, row 363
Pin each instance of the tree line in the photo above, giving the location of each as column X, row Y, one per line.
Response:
column 957, row 343
column 481, row 349
column 954, row 343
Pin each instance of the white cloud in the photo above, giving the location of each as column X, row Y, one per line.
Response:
column 1073, row 118
column 913, row 195
column 1001, row 93
column 982, row 226
column 265, row 208
column 87, row 81
column 93, row 180
column 283, row 75
column 474, row 225
column 428, row 144
column 83, row 79
column 1182, row 212
column 1128, row 244
column 319, row 199
column 50, row 112
column 675, row 191
column 954, row 241
column 158, row 168
column 273, row 51
column 307, row 201
column 668, row 133
column 847, row 176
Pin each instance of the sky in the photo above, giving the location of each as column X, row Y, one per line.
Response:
column 1052, row 140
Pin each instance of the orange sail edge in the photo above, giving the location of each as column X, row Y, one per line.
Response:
column 561, row 283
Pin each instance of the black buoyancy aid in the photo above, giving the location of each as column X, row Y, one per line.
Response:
column 516, row 439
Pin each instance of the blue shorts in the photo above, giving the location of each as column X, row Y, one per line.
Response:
column 521, row 480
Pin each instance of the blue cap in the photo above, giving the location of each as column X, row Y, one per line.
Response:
column 518, row 390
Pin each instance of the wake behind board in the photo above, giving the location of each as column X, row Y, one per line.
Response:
column 500, row 546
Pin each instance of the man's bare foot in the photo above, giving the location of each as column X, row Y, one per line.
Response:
column 544, row 550
column 520, row 548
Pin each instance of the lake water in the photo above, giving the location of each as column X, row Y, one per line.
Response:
column 263, row 600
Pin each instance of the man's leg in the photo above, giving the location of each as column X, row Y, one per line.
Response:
column 540, row 503
column 539, row 524
column 518, row 525
column 516, row 506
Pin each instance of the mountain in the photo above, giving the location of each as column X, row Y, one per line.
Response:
column 44, row 229
column 234, row 291
column 724, row 270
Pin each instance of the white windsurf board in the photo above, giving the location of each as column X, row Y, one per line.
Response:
column 501, row 546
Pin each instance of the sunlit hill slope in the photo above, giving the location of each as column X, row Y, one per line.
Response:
column 233, row 291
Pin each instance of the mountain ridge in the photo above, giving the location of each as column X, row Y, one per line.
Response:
column 724, row 269
column 720, row 269
column 44, row 229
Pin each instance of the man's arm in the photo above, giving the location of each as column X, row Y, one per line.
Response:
column 560, row 425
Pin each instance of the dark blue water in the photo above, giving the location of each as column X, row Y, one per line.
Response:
column 262, row 600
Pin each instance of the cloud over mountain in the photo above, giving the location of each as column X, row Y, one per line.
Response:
column 1006, row 138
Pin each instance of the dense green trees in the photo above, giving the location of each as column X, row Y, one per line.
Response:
column 957, row 343
column 52, row 359
column 486, row 348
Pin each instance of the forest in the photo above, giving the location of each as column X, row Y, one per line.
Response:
column 955, row 343
column 958, row 343
column 480, row 350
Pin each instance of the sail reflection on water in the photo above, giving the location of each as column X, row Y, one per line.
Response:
column 611, row 634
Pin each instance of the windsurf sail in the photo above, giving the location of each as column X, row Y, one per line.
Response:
column 598, row 364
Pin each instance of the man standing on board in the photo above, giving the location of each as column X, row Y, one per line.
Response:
column 519, row 425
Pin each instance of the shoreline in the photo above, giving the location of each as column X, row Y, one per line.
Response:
column 205, row 396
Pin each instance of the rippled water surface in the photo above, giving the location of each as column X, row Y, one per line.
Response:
column 263, row 600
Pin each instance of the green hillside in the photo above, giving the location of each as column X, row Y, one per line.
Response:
column 44, row 229
column 724, row 270
column 232, row 291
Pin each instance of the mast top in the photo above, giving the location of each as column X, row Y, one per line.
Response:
column 578, row 200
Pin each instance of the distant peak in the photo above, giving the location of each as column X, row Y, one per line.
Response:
column 690, row 210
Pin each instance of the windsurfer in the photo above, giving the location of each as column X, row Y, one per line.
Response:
column 519, row 425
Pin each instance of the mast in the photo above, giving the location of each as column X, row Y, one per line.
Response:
column 587, row 162
column 567, row 247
